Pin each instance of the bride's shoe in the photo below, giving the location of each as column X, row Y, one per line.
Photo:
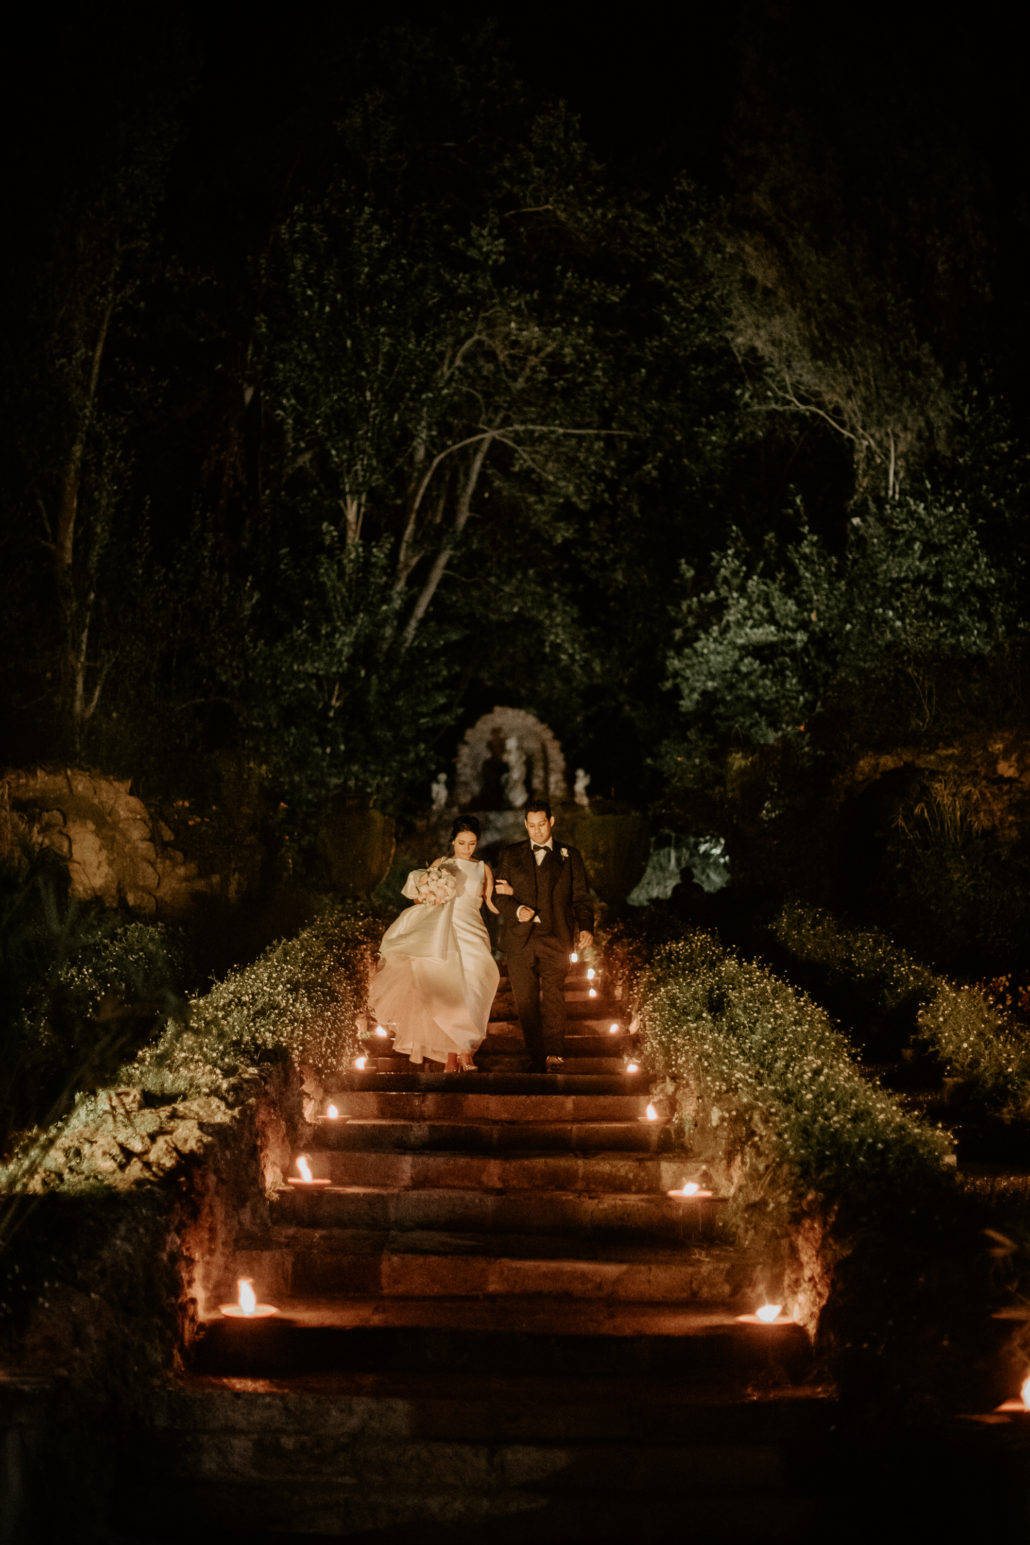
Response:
column 467, row 1064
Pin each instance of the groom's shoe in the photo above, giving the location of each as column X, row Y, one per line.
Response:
column 555, row 1064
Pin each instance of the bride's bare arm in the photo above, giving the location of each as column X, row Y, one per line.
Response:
column 488, row 890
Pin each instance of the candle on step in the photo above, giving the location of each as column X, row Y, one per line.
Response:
column 574, row 958
column 304, row 1177
column 766, row 1314
column 632, row 1067
column 332, row 1113
column 689, row 1191
column 361, row 1063
column 613, row 1028
column 246, row 1306
column 381, row 1033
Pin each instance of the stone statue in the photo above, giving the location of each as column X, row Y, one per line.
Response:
column 515, row 779
column 579, row 793
column 438, row 793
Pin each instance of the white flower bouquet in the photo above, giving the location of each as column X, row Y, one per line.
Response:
column 436, row 886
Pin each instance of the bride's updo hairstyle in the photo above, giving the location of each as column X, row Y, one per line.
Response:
column 465, row 823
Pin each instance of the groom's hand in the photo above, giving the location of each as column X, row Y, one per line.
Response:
column 528, row 917
column 502, row 888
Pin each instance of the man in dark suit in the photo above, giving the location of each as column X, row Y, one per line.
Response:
column 542, row 893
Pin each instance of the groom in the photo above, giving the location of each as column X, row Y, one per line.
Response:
column 541, row 890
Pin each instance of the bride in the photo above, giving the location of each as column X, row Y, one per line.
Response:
column 437, row 976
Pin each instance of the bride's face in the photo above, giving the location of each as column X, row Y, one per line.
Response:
column 464, row 844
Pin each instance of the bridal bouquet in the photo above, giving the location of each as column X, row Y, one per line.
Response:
column 437, row 886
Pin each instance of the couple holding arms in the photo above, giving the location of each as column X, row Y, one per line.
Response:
column 437, row 976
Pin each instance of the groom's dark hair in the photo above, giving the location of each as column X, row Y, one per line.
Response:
column 537, row 804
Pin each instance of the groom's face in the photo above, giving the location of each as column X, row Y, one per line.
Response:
column 539, row 826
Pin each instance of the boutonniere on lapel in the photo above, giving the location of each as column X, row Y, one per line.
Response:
column 564, row 853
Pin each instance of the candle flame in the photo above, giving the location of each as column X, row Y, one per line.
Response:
column 651, row 1113
column 1025, row 1393
column 381, row 1033
column 632, row 1067
column 247, row 1296
column 591, row 973
column 689, row 1188
column 304, row 1168
column 768, row 1312
column 360, row 1062
column 613, row 1029
column 333, row 1113
column 592, row 993
column 574, row 958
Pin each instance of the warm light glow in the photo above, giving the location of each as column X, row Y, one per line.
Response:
column 246, row 1296
column 651, row 1113
column 689, row 1187
column 304, row 1168
column 574, row 958
column 333, row 1113
column 592, row 993
column 381, row 1033
column 591, row 973
column 361, row 1062
column 613, row 1029
column 1025, row 1393
column 768, row 1312
column 632, row 1067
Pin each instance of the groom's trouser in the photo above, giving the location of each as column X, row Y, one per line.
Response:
column 537, row 974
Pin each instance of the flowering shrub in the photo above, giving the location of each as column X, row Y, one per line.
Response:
column 301, row 997
column 761, row 1056
column 975, row 1038
column 849, row 1203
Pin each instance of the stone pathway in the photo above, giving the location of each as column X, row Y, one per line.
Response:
column 494, row 1322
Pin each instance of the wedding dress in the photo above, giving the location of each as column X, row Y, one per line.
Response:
column 438, row 977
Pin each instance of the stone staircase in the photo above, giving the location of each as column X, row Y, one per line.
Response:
column 493, row 1322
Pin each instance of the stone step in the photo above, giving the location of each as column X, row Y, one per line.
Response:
column 636, row 1174
column 413, row 1263
column 511, row 1063
column 476, row 1103
column 594, row 1040
column 411, row 1508
column 334, row 1334
column 408, row 1080
column 395, row 1134
column 653, row 1217
column 578, row 1005
column 457, row 1407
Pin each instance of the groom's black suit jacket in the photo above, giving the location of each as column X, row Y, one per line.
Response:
column 557, row 889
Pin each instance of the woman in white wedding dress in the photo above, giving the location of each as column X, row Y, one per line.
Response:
column 437, row 976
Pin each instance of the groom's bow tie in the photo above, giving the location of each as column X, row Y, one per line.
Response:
column 541, row 847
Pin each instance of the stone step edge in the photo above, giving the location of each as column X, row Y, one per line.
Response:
column 329, row 1239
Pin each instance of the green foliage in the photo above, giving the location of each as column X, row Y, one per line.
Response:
column 299, row 999
column 80, row 988
column 765, row 1059
column 974, row 1038
column 779, row 639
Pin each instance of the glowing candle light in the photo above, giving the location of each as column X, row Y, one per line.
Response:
column 304, row 1177
column 651, row 1113
column 361, row 1062
column 381, row 1033
column 1024, row 1394
column 613, row 1029
column 690, row 1191
column 592, row 993
column 632, row 1067
column 574, row 958
column 768, row 1312
column 246, row 1306
column 332, row 1113
column 591, row 973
